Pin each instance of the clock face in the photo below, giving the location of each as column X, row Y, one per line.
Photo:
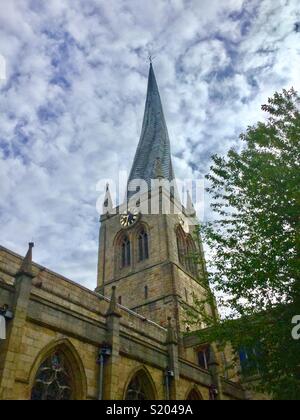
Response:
column 129, row 218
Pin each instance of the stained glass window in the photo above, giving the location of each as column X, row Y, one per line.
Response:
column 140, row 388
column 53, row 380
column 136, row 390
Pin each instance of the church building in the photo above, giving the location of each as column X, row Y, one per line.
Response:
column 130, row 339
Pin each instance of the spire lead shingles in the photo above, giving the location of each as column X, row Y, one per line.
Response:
column 154, row 142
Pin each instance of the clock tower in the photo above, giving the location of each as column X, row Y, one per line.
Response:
column 149, row 254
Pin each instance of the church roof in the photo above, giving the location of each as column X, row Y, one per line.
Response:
column 154, row 144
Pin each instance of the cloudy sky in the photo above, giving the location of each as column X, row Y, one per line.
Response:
column 71, row 104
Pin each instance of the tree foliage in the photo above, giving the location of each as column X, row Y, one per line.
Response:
column 254, row 240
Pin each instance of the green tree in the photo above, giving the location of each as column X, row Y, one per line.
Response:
column 254, row 240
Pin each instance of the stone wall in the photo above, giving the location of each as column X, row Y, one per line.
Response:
column 62, row 315
column 170, row 287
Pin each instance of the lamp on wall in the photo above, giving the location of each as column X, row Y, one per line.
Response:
column 213, row 392
column 5, row 315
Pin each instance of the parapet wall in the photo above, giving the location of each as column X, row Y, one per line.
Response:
column 53, row 288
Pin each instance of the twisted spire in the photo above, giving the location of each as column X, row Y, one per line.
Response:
column 154, row 142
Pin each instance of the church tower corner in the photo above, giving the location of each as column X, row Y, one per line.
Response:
column 148, row 255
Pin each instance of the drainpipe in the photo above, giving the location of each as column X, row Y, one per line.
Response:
column 169, row 374
column 101, row 361
column 104, row 353
column 173, row 371
column 167, row 387
column 216, row 388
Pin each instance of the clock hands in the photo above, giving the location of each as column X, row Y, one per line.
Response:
column 129, row 218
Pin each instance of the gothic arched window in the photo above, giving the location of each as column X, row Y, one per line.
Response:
column 53, row 380
column 194, row 395
column 191, row 257
column 181, row 246
column 136, row 390
column 140, row 388
column 126, row 252
column 143, row 245
column 203, row 356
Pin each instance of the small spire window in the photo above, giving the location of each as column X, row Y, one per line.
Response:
column 181, row 246
column 143, row 246
column 126, row 253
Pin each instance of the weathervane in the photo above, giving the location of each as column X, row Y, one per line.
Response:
column 151, row 57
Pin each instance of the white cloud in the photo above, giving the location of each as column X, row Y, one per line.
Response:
column 204, row 58
column 71, row 107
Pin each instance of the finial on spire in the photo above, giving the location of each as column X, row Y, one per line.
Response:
column 113, row 309
column 154, row 140
column 108, row 203
column 151, row 58
column 26, row 267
